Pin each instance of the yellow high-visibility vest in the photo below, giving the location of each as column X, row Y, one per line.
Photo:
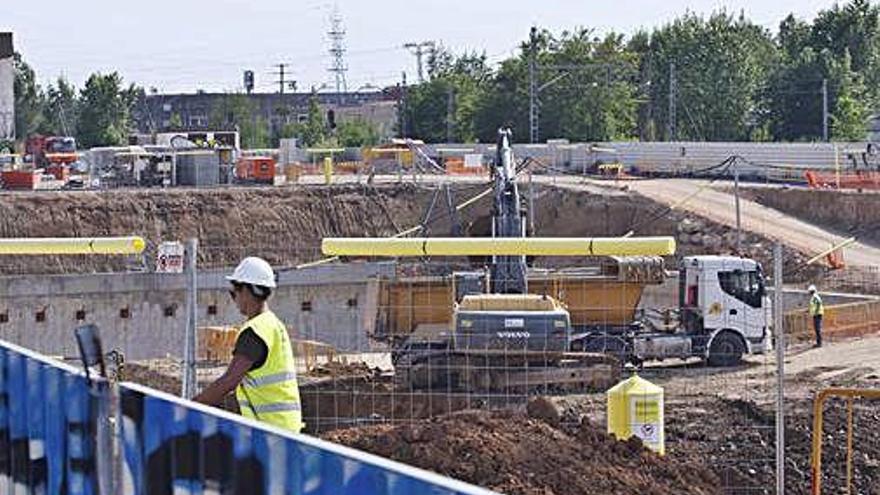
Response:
column 816, row 306
column 270, row 393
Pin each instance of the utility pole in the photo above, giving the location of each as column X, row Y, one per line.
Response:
column 280, row 74
column 403, row 109
column 450, row 110
column 420, row 49
column 671, row 118
column 280, row 107
column 533, row 86
column 825, row 110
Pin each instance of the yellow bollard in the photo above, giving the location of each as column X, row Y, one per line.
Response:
column 328, row 170
column 635, row 407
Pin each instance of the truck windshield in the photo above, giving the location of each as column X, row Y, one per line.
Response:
column 747, row 286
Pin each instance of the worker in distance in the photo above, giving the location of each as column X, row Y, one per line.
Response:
column 817, row 311
column 262, row 371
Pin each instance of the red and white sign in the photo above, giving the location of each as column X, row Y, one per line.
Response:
column 169, row 258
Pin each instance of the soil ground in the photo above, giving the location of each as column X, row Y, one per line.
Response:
column 720, row 433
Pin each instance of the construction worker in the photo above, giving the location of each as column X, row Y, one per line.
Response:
column 262, row 371
column 817, row 310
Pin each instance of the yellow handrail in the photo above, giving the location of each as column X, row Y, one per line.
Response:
column 499, row 246
column 71, row 245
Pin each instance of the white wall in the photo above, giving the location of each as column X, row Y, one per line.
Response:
column 7, row 99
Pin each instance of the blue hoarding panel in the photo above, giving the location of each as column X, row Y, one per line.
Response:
column 176, row 446
column 49, row 418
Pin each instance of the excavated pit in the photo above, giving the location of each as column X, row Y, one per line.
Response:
column 714, row 444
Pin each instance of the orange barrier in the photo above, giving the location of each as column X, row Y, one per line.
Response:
column 857, row 180
column 456, row 166
column 835, row 259
column 216, row 345
column 840, row 320
column 20, row 179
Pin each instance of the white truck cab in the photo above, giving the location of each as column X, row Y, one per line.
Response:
column 724, row 307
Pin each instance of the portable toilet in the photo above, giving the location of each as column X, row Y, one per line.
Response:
column 635, row 407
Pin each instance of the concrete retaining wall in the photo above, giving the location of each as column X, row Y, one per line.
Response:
column 144, row 314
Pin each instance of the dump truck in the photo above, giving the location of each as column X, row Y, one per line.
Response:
column 511, row 326
column 723, row 313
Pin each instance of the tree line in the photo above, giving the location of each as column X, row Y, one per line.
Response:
column 720, row 77
column 99, row 114
column 104, row 112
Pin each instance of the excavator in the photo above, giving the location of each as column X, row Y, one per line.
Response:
column 504, row 338
column 512, row 327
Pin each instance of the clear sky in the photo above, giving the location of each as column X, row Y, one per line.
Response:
column 184, row 45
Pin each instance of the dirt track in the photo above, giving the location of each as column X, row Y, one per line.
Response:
column 719, row 206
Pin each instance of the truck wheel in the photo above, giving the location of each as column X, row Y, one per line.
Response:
column 726, row 350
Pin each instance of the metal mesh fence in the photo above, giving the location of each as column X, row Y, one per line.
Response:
column 394, row 344
column 388, row 349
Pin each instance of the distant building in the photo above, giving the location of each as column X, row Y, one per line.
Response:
column 7, row 91
column 204, row 110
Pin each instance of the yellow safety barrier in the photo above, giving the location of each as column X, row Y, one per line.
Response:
column 527, row 246
column 850, row 394
column 72, row 245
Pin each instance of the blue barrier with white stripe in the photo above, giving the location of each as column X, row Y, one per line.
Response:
column 55, row 439
column 50, row 425
column 170, row 445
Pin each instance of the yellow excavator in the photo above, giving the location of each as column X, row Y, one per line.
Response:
column 499, row 335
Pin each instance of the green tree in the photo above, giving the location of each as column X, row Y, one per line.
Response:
column 356, row 133
column 314, row 129
column 105, row 111
column 237, row 111
column 62, row 108
column 840, row 47
column 175, row 121
column 588, row 89
column 721, row 65
column 849, row 118
column 852, row 28
column 30, row 102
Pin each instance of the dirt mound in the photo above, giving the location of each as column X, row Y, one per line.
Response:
column 511, row 453
column 284, row 225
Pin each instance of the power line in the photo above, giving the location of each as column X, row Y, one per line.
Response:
column 420, row 49
column 281, row 81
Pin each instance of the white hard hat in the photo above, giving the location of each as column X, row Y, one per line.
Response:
column 811, row 288
column 254, row 271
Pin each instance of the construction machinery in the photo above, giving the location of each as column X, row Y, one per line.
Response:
column 509, row 326
column 51, row 151
column 258, row 170
column 505, row 337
